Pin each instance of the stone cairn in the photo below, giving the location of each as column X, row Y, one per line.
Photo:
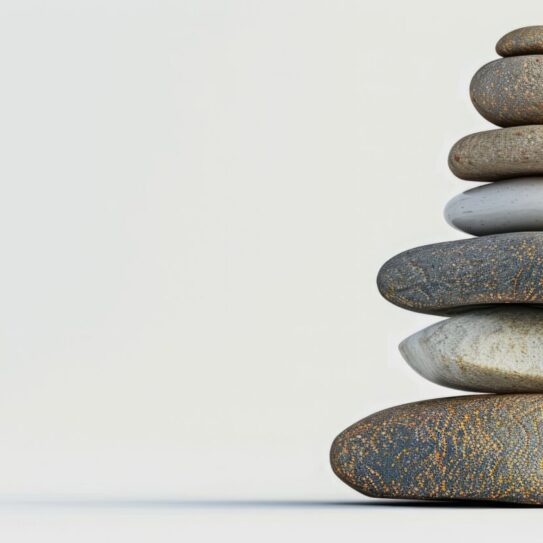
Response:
column 485, row 446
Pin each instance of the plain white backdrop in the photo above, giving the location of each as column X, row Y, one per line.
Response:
column 196, row 197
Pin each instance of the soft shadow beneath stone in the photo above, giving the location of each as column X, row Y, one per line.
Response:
column 164, row 503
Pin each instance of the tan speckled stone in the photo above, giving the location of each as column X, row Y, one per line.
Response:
column 509, row 91
column 522, row 41
column 499, row 154
column 485, row 447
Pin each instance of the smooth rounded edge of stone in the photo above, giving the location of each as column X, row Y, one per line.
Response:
column 452, row 277
column 405, row 452
column 496, row 350
column 512, row 205
column 498, row 154
column 509, row 91
column 527, row 40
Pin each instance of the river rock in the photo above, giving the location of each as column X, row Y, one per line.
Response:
column 483, row 447
column 499, row 154
column 509, row 91
column 455, row 276
column 522, row 41
column 509, row 206
column 488, row 350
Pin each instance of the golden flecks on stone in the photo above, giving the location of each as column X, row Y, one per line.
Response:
column 499, row 154
column 455, row 276
column 509, row 91
column 486, row 447
column 522, row 41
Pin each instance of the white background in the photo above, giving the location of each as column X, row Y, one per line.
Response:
column 196, row 197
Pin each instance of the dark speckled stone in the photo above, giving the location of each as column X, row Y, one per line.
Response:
column 499, row 154
column 447, row 278
column 486, row 447
column 522, row 41
column 509, row 91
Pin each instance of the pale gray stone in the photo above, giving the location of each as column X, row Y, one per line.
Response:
column 515, row 205
column 498, row 349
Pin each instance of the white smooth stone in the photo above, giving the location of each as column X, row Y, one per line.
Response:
column 515, row 205
column 499, row 349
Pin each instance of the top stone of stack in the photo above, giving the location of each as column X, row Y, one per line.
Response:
column 509, row 91
column 522, row 41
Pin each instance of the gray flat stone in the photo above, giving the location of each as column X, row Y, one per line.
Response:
column 509, row 91
column 487, row 350
column 499, row 154
column 515, row 205
column 482, row 447
column 522, row 41
column 455, row 276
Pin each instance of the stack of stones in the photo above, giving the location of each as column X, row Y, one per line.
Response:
column 485, row 446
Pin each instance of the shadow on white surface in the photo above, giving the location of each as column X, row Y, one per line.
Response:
column 206, row 504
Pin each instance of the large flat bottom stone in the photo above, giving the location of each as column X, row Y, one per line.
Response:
column 485, row 447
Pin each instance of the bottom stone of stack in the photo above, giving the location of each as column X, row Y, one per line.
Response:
column 483, row 447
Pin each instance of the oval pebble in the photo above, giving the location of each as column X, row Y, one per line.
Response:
column 482, row 447
column 509, row 91
column 489, row 350
column 515, row 205
column 522, row 41
column 499, row 154
column 455, row 276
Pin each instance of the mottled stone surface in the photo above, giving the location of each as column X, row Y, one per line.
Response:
column 499, row 154
column 509, row 91
column 522, row 41
column 486, row 447
column 515, row 205
column 487, row 350
column 454, row 276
